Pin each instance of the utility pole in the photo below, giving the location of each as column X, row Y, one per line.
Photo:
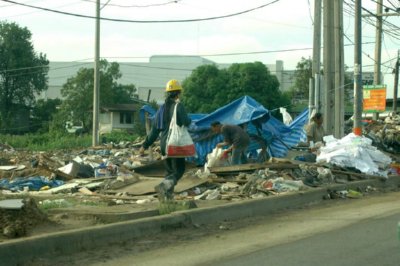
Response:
column 314, row 101
column 396, row 82
column 339, row 69
column 328, row 66
column 378, row 48
column 358, row 104
column 96, row 89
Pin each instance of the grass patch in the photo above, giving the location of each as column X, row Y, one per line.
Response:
column 46, row 141
column 49, row 204
column 174, row 206
column 61, row 141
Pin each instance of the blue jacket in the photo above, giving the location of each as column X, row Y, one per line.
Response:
column 161, row 122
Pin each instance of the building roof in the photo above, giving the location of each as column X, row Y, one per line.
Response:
column 121, row 107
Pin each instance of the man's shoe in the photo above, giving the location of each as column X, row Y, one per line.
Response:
column 165, row 190
column 161, row 191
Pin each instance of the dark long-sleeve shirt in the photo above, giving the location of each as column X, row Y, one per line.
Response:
column 182, row 120
column 235, row 136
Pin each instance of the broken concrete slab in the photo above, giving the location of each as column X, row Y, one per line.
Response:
column 11, row 204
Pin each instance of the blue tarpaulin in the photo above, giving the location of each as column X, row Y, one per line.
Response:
column 34, row 183
column 246, row 111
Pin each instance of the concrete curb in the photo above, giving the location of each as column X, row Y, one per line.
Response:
column 67, row 242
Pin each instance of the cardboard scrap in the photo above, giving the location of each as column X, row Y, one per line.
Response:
column 146, row 186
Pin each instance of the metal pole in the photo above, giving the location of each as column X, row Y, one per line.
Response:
column 311, row 97
column 316, row 63
column 396, row 82
column 378, row 48
column 317, row 93
column 339, row 69
column 358, row 104
column 96, row 90
column 328, row 66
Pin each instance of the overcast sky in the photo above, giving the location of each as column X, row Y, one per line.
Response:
column 278, row 25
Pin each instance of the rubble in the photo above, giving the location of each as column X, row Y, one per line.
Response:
column 385, row 133
column 115, row 175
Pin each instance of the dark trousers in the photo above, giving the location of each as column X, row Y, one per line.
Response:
column 175, row 168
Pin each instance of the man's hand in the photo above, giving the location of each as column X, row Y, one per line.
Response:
column 225, row 154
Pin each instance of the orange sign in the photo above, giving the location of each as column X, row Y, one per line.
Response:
column 374, row 98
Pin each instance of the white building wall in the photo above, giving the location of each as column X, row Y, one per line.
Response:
column 152, row 75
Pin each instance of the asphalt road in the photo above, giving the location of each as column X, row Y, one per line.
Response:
column 342, row 232
column 373, row 242
column 334, row 232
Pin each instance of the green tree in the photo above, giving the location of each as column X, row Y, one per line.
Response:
column 209, row 88
column 302, row 76
column 42, row 114
column 255, row 80
column 23, row 73
column 78, row 94
column 203, row 89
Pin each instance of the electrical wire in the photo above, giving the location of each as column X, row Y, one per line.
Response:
column 367, row 54
column 202, row 55
column 143, row 21
column 33, row 12
column 108, row 1
column 387, row 7
column 394, row 6
column 309, row 12
column 138, row 6
column 390, row 30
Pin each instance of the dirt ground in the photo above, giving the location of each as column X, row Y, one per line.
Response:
column 41, row 215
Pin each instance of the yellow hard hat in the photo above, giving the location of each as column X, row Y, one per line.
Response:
column 173, row 85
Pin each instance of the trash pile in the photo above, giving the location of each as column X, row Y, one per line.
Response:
column 357, row 152
column 385, row 134
column 116, row 174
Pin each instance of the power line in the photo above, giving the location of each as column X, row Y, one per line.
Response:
column 391, row 27
column 386, row 7
column 203, row 55
column 40, row 66
column 32, row 12
column 142, row 21
column 139, row 6
column 367, row 54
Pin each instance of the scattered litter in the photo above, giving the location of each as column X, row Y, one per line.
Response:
column 11, row 204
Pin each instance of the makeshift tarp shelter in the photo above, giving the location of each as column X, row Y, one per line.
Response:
column 257, row 121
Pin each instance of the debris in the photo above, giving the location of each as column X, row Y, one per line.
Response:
column 11, row 204
column 355, row 151
column 16, row 222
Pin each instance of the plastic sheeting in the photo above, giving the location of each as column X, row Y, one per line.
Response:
column 355, row 151
column 277, row 136
column 34, row 183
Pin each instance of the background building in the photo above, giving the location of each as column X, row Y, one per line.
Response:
column 148, row 77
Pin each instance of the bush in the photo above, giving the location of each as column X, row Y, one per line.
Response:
column 117, row 136
column 47, row 141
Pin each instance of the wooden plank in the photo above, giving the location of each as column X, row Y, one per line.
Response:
column 361, row 175
column 251, row 167
column 156, row 168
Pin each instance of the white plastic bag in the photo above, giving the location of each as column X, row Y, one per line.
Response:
column 287, row 119
column 179, row 142
column 216, row 158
